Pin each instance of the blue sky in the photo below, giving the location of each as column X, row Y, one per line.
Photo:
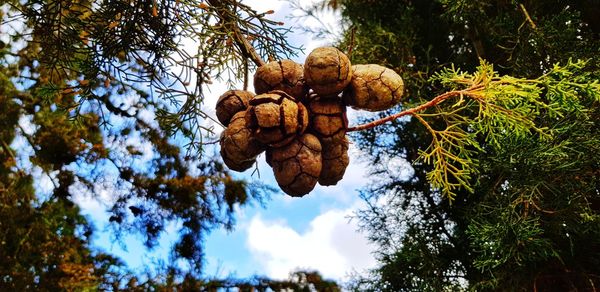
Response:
column 313, row 232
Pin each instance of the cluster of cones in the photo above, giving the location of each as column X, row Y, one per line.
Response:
column 298, row 116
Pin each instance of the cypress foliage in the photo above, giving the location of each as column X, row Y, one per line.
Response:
column 101, row 98
column 521, row 212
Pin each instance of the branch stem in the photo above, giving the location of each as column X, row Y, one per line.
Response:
column 242, row 43
column 531, row 23
column 412, row 111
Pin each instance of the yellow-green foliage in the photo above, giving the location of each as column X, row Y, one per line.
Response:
column 491, row 106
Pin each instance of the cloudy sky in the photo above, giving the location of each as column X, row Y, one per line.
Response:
column 313, row 232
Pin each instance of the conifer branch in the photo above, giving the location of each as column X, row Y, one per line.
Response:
column 435, row 101
column 242, row 43
column 494, row 105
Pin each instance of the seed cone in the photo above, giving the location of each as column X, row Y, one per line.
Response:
column 276, row 118
column 230, row 103
column 373, row 88
column 335, row 161
column 238, row 148
column 327, row 71
column 327, row 117
column 297, row 166
column 284, row 75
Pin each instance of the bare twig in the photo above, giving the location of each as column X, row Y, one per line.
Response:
column 211, row 142
column 8, row 150
column 542, row 210
column 351, row 45
column 531, row 23
column 438, row 99
column 246, row 73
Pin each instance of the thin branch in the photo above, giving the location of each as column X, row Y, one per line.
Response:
column 242, row 43
column 542, row 210
column 211, row 142
column 8, row 150
column 527, row 16
column 438, row 99
column 351, row 45
column 112, row 108
column 246, row 74
column 32, row 145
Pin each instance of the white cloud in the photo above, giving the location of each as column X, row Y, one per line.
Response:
column 330, row 245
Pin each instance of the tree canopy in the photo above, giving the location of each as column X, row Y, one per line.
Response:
column 529, row 220
column 103, row 97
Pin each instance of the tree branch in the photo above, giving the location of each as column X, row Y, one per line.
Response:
column 531, row 23
column 351, row 45
column 438, row 99
column 242, row 43
column 111, row 107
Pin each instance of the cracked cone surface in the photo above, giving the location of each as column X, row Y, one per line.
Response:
column 230, row 103
column 284, row 75
column 327, row 71
column 373, row 88
column 328, row 119
column 335, row 160
column 276, row 118
column 238, row 148
column 297, row 166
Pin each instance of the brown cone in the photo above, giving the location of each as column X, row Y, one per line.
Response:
column 284, row 75
column 230, row 103
column 297, row 166
column 335, row 160
column 327, row 71
column 276, row 118
column 373, row 88
column 327, row 118
column 238, row 148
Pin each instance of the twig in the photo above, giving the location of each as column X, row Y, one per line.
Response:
column 32, row 144
column 256, row 169
column 7, row 149
column 438, row 99
column 246, row 73
column 527, row 16
column 542, row 210
column 351, row 45
column 211, row 142
column 242, row 43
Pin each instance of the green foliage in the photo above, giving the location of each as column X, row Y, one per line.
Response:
column 102, row 97
column 504, row 187
column 489, row 107
column 298, row 281
column 43, row 244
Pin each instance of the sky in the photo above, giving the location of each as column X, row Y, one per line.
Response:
column 315, row 232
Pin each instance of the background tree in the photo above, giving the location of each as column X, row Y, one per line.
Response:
column 530, row 221
column 102, row 96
